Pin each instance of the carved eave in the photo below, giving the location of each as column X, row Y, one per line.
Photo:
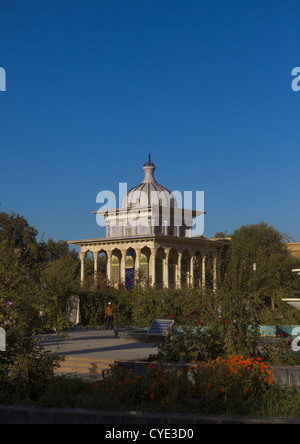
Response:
column 155, row 241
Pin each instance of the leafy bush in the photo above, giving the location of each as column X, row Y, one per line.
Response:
column 93, row 304
column 189, row 344
column 157, row 388
column 221, row 325
column 25, row 367
column 26, row 305
column 231, row 385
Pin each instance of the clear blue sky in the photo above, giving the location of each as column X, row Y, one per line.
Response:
column 93, row 86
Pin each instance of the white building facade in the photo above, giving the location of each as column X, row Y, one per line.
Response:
column 149, row 240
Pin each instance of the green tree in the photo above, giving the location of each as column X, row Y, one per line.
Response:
column 257, row 262
column 18, row 291
column 15, row 232
column 26, row 304
column 62, row 276
column 55, row 250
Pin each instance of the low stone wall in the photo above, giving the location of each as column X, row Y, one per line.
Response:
column 286, row 375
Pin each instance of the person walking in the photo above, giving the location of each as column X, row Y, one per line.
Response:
column 110, row 316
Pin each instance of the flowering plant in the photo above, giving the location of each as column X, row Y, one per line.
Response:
column 230, row 383
column 219, row 386
column 157, row 386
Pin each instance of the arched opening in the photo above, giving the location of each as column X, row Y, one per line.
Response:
column 198, row 269
column 185, row 268
column 87, row 269
column 159, row 268
column 116, row 267
column 144, row 265
column 100, row 261
column 159, row 272
column 129, row 269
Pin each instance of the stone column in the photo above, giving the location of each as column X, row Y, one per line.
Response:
column 191, row 280
column 82, row 259
column 178, row 277
column 95, row 254
column 152, row 267
column 166, row 268
column 137, row 265
column 123, row 267
column 108, row 266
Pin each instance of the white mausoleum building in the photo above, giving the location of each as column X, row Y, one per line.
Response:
column 149, row 239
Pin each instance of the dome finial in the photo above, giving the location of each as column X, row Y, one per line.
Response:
column 149, row 169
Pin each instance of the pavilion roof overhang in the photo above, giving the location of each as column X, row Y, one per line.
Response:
column 151, row 238
column 157, row 209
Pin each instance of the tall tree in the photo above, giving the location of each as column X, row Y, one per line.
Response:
column 55, row 250
column 258, row 263
column 16, row 232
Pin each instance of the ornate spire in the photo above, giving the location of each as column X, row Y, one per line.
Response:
column 149, row 169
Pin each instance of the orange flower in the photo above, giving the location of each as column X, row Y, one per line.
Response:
column 245, row 391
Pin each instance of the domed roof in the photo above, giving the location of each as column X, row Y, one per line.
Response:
column 149, row 192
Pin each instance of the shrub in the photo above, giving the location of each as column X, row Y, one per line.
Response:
column 25, row 368
column 93, row 304
column 189, row 344
column 231, row 385
column 26, row 306
column 222, row 324
column 158, row 388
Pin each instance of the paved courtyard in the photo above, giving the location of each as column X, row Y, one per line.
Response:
column 98, row 345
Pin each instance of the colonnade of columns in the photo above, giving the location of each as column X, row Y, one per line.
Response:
column 178, row 267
